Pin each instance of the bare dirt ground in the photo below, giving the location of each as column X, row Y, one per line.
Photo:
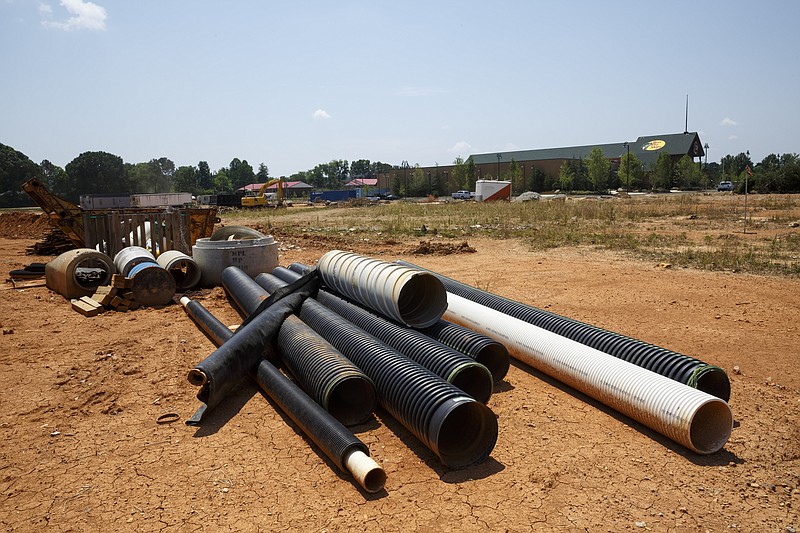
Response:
column 80, row 449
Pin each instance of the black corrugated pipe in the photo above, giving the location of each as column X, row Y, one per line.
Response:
column 300, row 268
column 490, row 353
column 451, row 365
column 460, row 430
column 682, row 368
column 339, row 386
column 486, row 351
column 336, row 441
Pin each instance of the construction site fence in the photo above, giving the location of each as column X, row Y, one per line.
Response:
column 158, row 230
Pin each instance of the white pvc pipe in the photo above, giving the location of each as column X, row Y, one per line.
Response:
column 366, row 471
column 693, row 418
column 410, row 296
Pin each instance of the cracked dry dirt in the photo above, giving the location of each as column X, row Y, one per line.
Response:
column 80, row 449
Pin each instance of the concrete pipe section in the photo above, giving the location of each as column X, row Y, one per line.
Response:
column 78, row 272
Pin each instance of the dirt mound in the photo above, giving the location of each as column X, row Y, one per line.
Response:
column 441, row 248
column 24, row 225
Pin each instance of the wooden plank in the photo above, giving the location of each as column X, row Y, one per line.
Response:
column 86, row 306
column 27, row 283
column 115, row 234
column 104, row 294
column 121, row 282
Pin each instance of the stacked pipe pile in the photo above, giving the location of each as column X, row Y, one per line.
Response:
column 355, row 330
column 486, row 351
column 459, row 429
column 462, row 371
column 698, row 420
column 681, row 368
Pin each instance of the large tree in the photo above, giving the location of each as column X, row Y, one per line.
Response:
column 204, row 176
column 240, row 173
column 54, row 177
column 566, row 176
column 360, row 169
column 185, row 179
column 262, row 176
column 155, row 176
column 15, row 169
column 630, row 171
column 514, row 174
column 687, row 173
column 598, row 169
column 734, row 165
column 663, row 171
column 460, row 174
column 777, row 174
column 222, row 182
column 96, row 173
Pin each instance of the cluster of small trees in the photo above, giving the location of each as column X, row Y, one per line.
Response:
column 598, row 174
column 334, row 174
column 105, row 173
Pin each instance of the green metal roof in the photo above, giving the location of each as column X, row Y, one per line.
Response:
column 646, row 148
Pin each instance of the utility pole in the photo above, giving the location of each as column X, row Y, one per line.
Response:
column 627, row 166
column 747, row 173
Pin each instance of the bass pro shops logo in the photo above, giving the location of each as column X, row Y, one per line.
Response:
column 652, row 146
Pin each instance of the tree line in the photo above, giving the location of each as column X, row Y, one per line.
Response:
column 105, row 173
column 774, row 174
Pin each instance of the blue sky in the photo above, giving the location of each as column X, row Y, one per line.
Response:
column 294, row 84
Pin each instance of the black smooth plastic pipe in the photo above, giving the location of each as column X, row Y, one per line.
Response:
column 458, row 429
column 702, row 376
column 447, row 363
column 220, row 372
column 335, row 440
column 338, row 385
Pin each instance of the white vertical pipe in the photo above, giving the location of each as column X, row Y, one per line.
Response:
column 697, row 420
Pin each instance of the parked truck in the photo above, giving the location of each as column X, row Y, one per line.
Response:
column 463, row 195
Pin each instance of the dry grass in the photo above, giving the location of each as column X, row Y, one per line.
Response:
column 701, row 231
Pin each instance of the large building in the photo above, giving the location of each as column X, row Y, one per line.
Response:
column 548, row 161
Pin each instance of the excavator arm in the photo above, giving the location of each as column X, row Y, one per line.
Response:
column 260, row 198
column 62, row 213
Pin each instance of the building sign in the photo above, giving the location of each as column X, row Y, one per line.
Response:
column 652, row 146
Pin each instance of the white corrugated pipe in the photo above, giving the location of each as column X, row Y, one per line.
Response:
column 410, row 296
column 693, row 418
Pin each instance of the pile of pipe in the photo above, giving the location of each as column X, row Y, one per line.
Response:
column 355, row 332
column 678, row 396
column 352, row 350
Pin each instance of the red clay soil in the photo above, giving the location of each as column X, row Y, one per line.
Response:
column 81, row 449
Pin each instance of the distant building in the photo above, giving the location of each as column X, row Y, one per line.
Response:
column 549, row 160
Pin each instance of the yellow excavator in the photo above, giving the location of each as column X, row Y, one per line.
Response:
column 264, row 199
